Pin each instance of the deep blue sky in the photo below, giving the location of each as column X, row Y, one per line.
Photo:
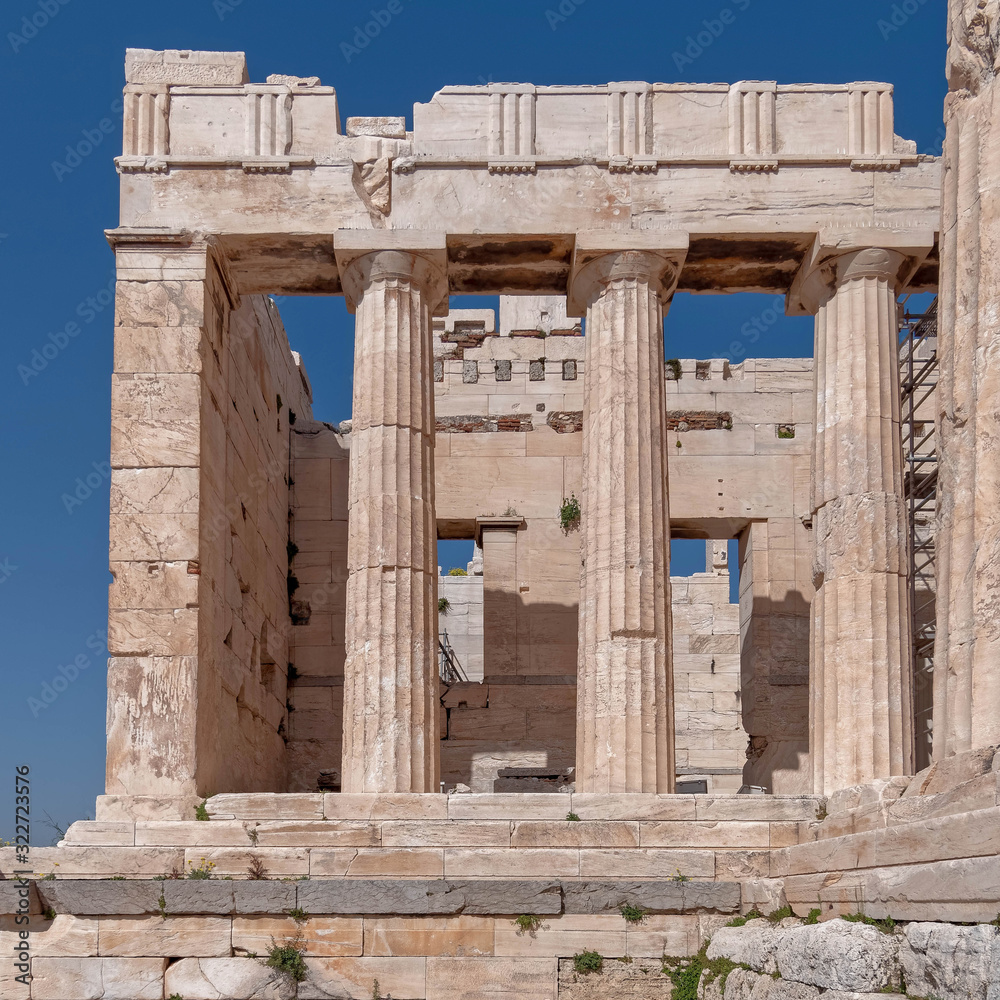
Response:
column 67, row 77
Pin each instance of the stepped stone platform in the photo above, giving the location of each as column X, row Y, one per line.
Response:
column 422, row 892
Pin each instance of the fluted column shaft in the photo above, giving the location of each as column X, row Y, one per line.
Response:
column 861, row 696
column 390, row 672
column 967, row 643
column 625, row 726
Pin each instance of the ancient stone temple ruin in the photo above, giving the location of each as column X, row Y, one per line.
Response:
column 463, row 787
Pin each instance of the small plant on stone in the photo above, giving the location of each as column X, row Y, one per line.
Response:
column 117, row 878
column 48, row 913
column 376, row 994
column 673, row 369
column 162, row 905
column 201, row 813
column 204, row 870
column 679, row 876
column 176, row 996
column 569, row 514
column 252, row 834
column 287, row 959
column 527, row 923
column 298, row 914
column 457, row 571
column 776, row 916
column 444, row 605
column 586, row 962
column 42, row 877
column 572, row 817
column 813, row 917
column 255, row 869
column 632, row 914
column 886, row 926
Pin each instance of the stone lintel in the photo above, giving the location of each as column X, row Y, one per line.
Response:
column 497, row 524
column 912, row 244
column 592, row 244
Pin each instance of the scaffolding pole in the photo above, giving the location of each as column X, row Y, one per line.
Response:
column 918, row 377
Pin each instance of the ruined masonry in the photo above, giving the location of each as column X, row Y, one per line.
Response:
column 384, row 783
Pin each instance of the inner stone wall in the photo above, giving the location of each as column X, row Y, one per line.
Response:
column 198, row 619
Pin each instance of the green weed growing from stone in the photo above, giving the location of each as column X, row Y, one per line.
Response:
column 201, row 813
column 813, row 917
column 632, row 914
column 527, row 922
column 287, row 959
column 776, row 916
column 572, row 817
column 586, row 962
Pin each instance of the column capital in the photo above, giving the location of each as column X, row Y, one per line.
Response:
column 840, row 255
column 366, row 255
column 600, row 256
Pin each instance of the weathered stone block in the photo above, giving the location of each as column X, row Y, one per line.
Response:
column 378, row 896
column 66, row 936
column 641, row 979
column 949, row 962
column 462, row 862
column 624, row 806
column 661, row 896
column 565, row 935
column 197, row 896
column 266, row 805
column 192, row 937
column 838, row 955
column 647, row 863
column 92, row 897
column 331, row 937
column 584, row 834
column 353, row 978
column 424, row 936
column 460, row 833
column 10, row 987
column 401, row 862
column 755, row 944
column 182, row 66
column 227, row 979
column 508, row 806
column 98, row 979
column 502, row 896
column 482, row 978
column 263, row 897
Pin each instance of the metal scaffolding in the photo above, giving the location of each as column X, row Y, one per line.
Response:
column 918, row 376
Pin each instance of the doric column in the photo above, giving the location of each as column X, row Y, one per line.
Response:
column 393, row 282
column 967, row 542
column 625, row 725
column 861, row 672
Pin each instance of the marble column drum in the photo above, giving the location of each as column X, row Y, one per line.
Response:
column 861, row 698
column 390, row 673
column 625, row 724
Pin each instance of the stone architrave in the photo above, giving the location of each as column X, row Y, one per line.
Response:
column 861, row 672
column 966, row 679
column 625, row 741
column 394, row 283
